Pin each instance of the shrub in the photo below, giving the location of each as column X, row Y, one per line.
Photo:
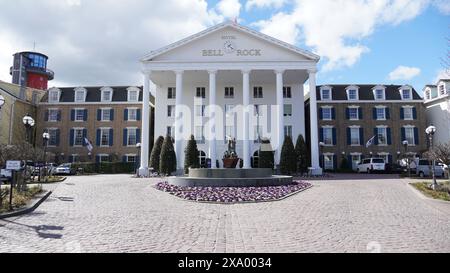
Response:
column 156, row 153
column 106, row 167
column 288, row 162
column 191, row 155
column 266, row 156
column 301, row 151
column 168, row 159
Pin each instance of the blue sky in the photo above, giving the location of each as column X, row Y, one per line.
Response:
column 360, row 41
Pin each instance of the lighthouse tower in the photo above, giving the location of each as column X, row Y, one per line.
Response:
column 30, row 70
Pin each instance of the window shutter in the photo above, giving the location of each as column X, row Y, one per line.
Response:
column 349, row 162
column 124, row 159
column 335, row 162
column 321, row 135
column 389, row 137
column 375, row 133
column 97, row 159
column 138, row 136
column 98, row 137
column 414, row 113
column 85, row 114
column 70, row 158
column 390, row 159
column 374, row 111
column 99, row 114
column 138, row 114
column 360, row 113
column 321, row 113
column 403, row 131
column 111, row 137
column 402, row 113
column 416, row 136
column 125, row 134
column 347, row 113
column 321, row 161
column 112, row 115
column 349, row 137
column 84, row 136
column 388, row 114
column 334, row 136
column 72, row 115
column 333, row 113
column 361, row 136
column 58, row 135
column 46, row 115
column 72, row 134
column 125, row 114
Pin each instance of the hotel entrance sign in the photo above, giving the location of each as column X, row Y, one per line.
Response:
column 230, row 47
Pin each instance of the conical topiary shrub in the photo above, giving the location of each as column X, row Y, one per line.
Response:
column 191, row 155
column 301, row 152
column 288, row 161
column 168, row 159
column 156, row 153
column 266, row 156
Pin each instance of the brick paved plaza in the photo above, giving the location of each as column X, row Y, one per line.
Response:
column 121, row 214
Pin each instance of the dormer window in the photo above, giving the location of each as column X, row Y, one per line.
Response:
column 406, row 93
column 325, row 93
column 442, row 90
column 133, row 94
column 53, row 96
column 379, row 93
column 352, row 93
column 80, row 95
column 428, row 95
column 107, row 94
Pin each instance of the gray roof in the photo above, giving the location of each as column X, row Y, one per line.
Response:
column 365, row 91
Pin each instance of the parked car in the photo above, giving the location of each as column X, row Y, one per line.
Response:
column 424, row 168
column 370, row 165
column 395, row 168
column 66, row 169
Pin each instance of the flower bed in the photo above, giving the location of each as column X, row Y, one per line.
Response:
column 233, row 194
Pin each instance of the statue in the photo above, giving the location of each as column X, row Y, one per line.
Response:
column 230, row 159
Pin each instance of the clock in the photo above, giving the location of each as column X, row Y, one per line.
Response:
column 229, row 47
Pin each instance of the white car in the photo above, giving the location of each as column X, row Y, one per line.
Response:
column 65, row 169
column 370, row 165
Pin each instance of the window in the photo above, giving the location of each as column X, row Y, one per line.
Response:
column 53, row 140
column 170, row 131
column 201, row 92
column 382, row 135
column 409, row 135
column 352, row 94
column 78, row 137
column 171, row 93
column 53, row 115
column 326, row 94
column 80, row 96
column 428, row 95
column 328, row 136
column 104, row 137
column 103, row 158
column 408, row 113
column 53, row 96
column 288, row 130
column 229, row 92
column 131, row 137
column 170, row 110
column 442, row 89
column 229, row 108
column 106, row 95
column 257, row 92
column 355, row 136
column 287, row 93
column 202, row 159
column 79, row 114
column 106, row 115
column 384, row 156
column 132, row 114
column 379, row 94
column 328, row 162
column 381, row 113
column 356, row 159
column 131, row 158
column 327, row 113
column 200, row 134
column 200, row 110
column 133, row 95
column 406, row 94
column 288, row 110
column 353, row 113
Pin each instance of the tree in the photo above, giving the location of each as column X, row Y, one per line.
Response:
column 301, row 151
column 156, row 153
column 191, row 155
column 168, row 159
column 288, row 162
column 344, row 164
column 440, row 153
column 266, row 158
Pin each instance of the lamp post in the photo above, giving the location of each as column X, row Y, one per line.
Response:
column 45, row 138
column 430, row 132
column 405, row 145
column 29, row 122
column 136, row 167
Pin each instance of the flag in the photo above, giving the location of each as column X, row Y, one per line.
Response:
column 88, row 145
column 370, row 142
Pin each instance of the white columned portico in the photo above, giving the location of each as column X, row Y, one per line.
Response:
column 315, row 165
column 145, row 139
column 280, row 114
column 179, row 119
column 212, row 118
column 246, row 117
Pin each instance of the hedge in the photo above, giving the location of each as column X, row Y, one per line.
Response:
column 106, row 168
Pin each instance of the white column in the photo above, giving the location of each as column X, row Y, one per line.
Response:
column 315, row 165
column 145, row 139
column 280, row 116
column 212, row 116
column 301, row 109
column 246, row 117
column 179, row 120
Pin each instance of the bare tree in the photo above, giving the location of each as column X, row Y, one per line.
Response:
column 441, row 153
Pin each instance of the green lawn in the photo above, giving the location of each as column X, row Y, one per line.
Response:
column 20, row 199
column 442, row 194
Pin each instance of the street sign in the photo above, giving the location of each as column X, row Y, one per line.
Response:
column 13, row 165
column 5, row 173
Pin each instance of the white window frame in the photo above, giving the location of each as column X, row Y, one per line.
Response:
column 443, row 91
column 331, row 135
column 229, row 96
column 379, row 88
column 328, row 156
column 410, row 109
column 75, row 130
column 102, row 130
column 133, row 90
column 384, row 113
column 50, row 131
column 384, row 155
column 50, row 116
column 356, row 89
column 54, row 92
column 129, row 129
column 287, row 90
column 288, row 131
column 383, row 127
column 330, row 90
column 76, row 114
column 102, row 111
column 169, row 107
column 258, row 94
column 105, row 90
column 128, row 156
column 406, row 88
column 200, row 138
column 99, row 156
column 77, row 91
column 129, row 113
column 173, row 92
column 352, row 128
column 330, row 108
column 285, row 108
column 357, row 112
column 411, row 128
column 229, row 110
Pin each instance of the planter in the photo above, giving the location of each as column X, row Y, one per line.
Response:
column 230, row 163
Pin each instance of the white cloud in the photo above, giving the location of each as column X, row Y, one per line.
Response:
column 404, row 73
column 229, row 8
column 265, row 4
column 443, row 6
column 335, row 29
